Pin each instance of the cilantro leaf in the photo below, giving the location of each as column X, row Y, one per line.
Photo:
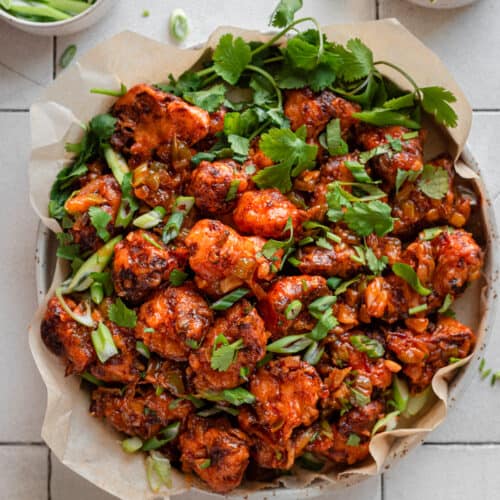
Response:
column 404, row 101
column 284, row 12
column 407, row 273
column 240, row 123
column 224, row 353
column 239, row 145
column 302, row 54
column 103, row 127
column 335, row 144
column 291, row 152
column 121, row 315
column 365, row 218
column 435, row 101
column 263, row 91
column 100, row 219
column 177, row 277
column 357, row 60
column 187, row 82
column 403, row 176
column 231, row 56
column 434, row 182
column 210, row 99
column 375, row 264
column 237, row 396
column 358, row 171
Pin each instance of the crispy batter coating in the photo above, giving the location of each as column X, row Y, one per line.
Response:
column 287, row 391
column 140, row 267
column 266, row 212
column 220, row 257
column 387, row 165
column 359, row 422
column 423, row 354
column 138, row 412
column 281, row 294
column 414, row 210
column 304, row 107
column 173, row 320
column 243, row 322
column 215, row 451
column 65, row 337
column 103, row 192
column 148, row 117
column 211, row 184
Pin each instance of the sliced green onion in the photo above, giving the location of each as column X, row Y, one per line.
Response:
column 90, row 378
column 306, row 241
column 96, row 292
column 94, row 264
column 294, row 262
column 233, row 189
column 417, row 309
column 448, row 300
column 326, row 323
column 410, row 135
column 228, row 300
column 131, row 445
column 206, row 464
column 237, row 396
column 371, row 347
column 309, row 461
column 344, row 285
column 73, row 7
column 145, row 13
column 353, row 440
column 83, row 319
column 159, row 391
column 177, row 277
column 128, row 204
column 290, row 344
column 67, row 56
column 142, row 348
column 116, row 163
column 150, row 219
column 151, row 240
column 112, row 93
column 323, row 243
column 407, row 273
column 149, row 330
column 389, row 422
column 103, row 342
column 361, row 398
column 179, row 26
column 417, row 402
column 400, row 394
column 333, row 282
column 182, row 206
column 313, row 354
column 320, row 305
column 44, row 11
column 158, row 471
column 167, row 434
column 293, row 309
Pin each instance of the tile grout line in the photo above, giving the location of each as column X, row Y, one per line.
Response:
column 49, row 475
column 382, row 486
column 462, row 443
column 54, row 57
column 377, row 9
column 22, row 443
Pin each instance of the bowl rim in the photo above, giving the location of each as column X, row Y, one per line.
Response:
column 51, row 24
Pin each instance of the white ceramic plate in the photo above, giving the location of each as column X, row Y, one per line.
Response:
column 442, row 4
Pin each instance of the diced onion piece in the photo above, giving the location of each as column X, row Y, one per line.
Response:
column 388, row 422
column 400, row 393
column 417, row 402
column 158, row 471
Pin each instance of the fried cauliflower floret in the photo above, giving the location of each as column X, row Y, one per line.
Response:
column 424, row 354
column 359, row 422
column 65, row 337
column 386, row 166
column 148, row 117
column 140, row 266
column 281, row 294
column 413, row 209
column 221, row 259
column 173, row 321
column 287, row 392
column 102, row 192
column 265, row 213
column 240, row 323
column 315, row 110
column 138, row 412
column 215, row 451
column 211, row 184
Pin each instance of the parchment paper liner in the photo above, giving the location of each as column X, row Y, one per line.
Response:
column 87, row 445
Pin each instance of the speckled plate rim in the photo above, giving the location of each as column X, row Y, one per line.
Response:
column 45, row 259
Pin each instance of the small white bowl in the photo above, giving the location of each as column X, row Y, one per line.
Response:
column 442, row 4
column 66, row 27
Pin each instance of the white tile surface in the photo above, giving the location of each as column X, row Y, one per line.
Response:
column 445, row 473
column 466, row 39
column 21, row 390
column 25, row 66
column 23, row 472
column 204, row 16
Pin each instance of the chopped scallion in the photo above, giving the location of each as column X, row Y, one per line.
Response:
column 103, row 343
column 293, row 309
column 228, row 300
